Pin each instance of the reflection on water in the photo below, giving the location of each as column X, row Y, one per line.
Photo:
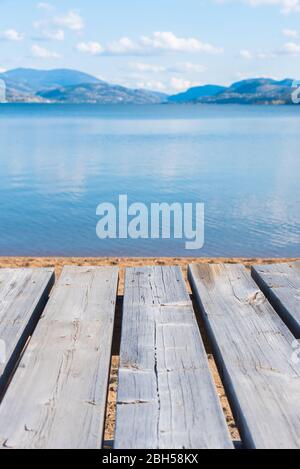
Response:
column 57, row 163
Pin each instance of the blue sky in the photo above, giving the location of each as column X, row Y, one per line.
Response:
column 166, row 45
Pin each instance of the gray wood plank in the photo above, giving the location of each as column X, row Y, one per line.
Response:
column 23, row 295
column 253, row 350
column 166, row 396
column 58, row 395
column 281, row 285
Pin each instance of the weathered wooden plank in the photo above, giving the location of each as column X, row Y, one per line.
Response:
column 166, row 395
column 281, row 285
column 253, row 350
column 58, row 395
column 23, row 295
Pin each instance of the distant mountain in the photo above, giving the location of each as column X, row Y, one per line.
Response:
column 252, row 91
column 101, row 93
column 26, row 80
column 256, row 91
column 198, row 92
column 70, row 86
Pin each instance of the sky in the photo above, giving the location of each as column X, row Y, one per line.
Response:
column 163, row 45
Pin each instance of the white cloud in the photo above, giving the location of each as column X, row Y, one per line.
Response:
column 290, row 33
column 40, row 24
column 291, row 48
column 122, row 46
column 157, row 43
column 47, row 31
column 246, row 54
column 167, row 41
column 166, row 85
column 53, row 35
column 179, row 84
column 45, row 6
column 168, row 81
column 53, row 28
column 92, row 48
column 266, row 55
column 142, row 67
column 286, row 6
column 11, row 35
column 152, row 85
column 72, row 20
column 189, row 67
column 42, row 53
column 3, row 70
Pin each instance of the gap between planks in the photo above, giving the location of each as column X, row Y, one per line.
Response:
column 110, row 421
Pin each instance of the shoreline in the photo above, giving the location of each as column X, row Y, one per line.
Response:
column 59, row 262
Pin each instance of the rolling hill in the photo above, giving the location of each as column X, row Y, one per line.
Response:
column 101, row 93
column 70, row 86
column 252, row 91
column 75, row 87
column 195, row 93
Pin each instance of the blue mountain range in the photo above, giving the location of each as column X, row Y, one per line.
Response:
column 72, row 86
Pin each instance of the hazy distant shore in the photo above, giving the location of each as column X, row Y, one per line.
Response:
column 74, row 87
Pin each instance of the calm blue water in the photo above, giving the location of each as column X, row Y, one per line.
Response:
column 57, row 163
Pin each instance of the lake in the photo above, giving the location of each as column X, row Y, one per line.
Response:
column 57, row 163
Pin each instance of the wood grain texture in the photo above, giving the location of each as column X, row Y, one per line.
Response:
column 58, row 395
column 23, row 295
column 281, row 285
column 254, row 353
column 166, row 396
